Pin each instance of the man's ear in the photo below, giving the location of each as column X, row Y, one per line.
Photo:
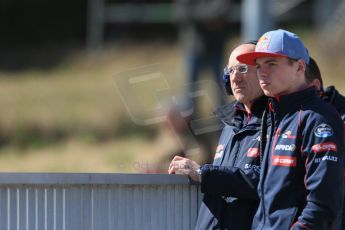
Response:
column 316, row 83
column 301, row 66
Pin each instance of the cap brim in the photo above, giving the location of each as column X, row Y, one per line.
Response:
column 249, row 58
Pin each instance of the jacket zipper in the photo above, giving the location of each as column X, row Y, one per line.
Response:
column 271, row 146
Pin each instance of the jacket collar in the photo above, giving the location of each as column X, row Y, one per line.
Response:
column 291, row 102
column 233, row 113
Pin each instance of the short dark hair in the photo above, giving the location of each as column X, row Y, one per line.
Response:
column 314, row 72
column 253, row 42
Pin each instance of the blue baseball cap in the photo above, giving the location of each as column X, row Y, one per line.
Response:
column 277, row 43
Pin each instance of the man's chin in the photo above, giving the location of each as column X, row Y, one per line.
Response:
column 239, row 97
column 239, row 93
column 269, row 93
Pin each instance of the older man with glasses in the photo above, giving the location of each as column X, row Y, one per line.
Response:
column 229, row 184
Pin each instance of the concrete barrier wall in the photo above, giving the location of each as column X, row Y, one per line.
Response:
column 49, row 201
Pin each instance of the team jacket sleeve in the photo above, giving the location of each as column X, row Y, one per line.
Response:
column 323, row 150
column 229, row 181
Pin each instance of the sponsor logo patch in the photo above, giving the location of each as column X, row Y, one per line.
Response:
column 229, row 199
column 326, row 158
column 263, row 43
column 280, row 147
column 251, row 166
column 219, row 151
column 324, row 147
column 288, row 135
column 323, row 130
column 286, row 161
column 253, row 152
column 257, row 138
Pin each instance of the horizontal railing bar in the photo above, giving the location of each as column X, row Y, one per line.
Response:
column 92, row 178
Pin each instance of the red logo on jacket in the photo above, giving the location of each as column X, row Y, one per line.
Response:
column 324, row 147
column 253, row 152
column 219, row 151
column 286, row 161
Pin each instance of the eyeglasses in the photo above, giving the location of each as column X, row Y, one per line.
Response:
column 242, row 68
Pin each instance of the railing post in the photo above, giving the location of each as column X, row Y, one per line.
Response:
column 256, row 18
column 95, row 24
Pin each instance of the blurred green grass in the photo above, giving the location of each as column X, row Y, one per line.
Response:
column 71, row 117
column 77, row 98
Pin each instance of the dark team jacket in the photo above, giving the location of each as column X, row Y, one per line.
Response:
column 301, row 180
column 230, row 183
column 333, row 97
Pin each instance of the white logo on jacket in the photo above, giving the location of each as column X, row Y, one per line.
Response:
column 291, row 147
column 323, row 130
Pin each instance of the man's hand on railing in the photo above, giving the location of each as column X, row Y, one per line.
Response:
column 181, row 165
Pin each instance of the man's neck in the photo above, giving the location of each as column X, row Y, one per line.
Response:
column 297, row 89
column 248, row 106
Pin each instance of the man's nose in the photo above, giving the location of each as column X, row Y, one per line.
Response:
column 261, row 73
column 237, row 76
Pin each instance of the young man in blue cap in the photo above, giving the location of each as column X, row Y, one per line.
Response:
column 301, row 177
column 230, row 183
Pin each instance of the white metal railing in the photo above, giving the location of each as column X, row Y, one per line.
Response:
column 73, row 201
